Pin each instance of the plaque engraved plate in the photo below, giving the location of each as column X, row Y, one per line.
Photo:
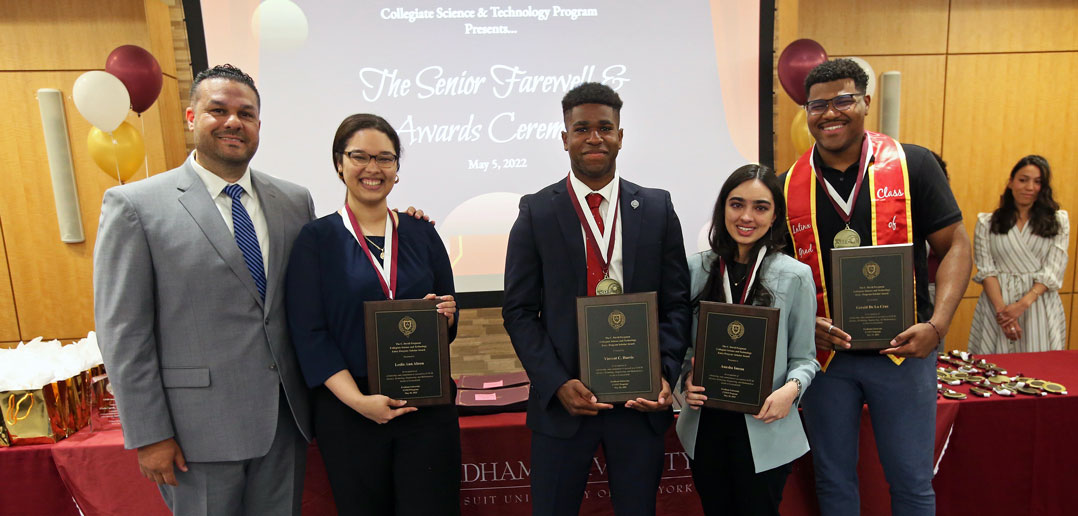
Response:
column 873, row 293
column 619, row 346
column 735, row 355
column 408, row 351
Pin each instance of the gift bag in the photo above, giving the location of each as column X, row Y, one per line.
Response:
column 34, row 416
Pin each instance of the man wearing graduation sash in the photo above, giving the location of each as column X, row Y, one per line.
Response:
column 858, row 188
column 592, row 233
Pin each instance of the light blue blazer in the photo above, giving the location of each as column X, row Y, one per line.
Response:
column 791, row 284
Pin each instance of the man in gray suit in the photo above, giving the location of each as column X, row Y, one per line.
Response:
column 188, row 294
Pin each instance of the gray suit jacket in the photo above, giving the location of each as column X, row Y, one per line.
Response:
column 191, row 349
column 790, row 282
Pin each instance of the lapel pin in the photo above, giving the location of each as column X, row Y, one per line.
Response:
column 635, row 204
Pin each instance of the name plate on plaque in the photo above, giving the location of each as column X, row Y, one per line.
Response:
column 873, row 293
column 619, row 346
column 408, row 351
column 735, row 355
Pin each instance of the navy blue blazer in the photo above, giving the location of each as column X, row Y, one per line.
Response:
column 546, row 270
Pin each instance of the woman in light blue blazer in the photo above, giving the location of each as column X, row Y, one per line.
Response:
column 740, row 461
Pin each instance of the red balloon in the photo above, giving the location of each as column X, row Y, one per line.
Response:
column 795, row 63
column 140, row 73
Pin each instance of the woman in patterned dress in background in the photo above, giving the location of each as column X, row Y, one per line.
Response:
column 1021, row 253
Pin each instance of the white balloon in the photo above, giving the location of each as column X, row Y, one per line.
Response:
column 871, row 90
column 101, row 99
column 279, row 25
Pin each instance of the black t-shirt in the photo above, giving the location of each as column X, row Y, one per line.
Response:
column 932, row 203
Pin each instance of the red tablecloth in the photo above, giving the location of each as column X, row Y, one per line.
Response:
column 1003, row 456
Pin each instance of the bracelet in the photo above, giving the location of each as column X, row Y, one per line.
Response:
column 798, row 383
column 939, row 337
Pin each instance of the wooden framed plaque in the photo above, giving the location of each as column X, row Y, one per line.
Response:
column 873, row 293
column 619, row 346
column 735, row 355
column 408, row 351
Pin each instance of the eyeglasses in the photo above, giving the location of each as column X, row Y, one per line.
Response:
column 361, row 159
column 841, row 103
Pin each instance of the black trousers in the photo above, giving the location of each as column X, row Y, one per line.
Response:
column 408, row 466
column 723, row 470
column 634, row 461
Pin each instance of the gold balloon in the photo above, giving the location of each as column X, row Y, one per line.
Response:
column 119, row 153
column 799, row 133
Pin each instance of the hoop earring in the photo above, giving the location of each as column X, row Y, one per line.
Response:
column 397, row 180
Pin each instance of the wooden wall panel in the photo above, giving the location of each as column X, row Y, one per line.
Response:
column 996, row 112
column 9, row 322
column 159, row 35
column 1072, row 341
column 863, row 28
column 9, row 344
column 1013, row 25
column 68, row 34
column 52, row 281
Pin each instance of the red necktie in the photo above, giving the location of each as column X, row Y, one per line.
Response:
column 595, row 264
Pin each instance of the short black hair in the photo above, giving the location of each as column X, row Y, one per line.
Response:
column 836, row 70
column 358, row 122
column 591, row 93
column 228, row 72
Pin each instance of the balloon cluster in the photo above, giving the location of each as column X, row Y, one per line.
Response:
column 131, row 81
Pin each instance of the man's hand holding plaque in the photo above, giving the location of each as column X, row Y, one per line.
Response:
column 644, row 405
column 578, row 400
column 829, row 336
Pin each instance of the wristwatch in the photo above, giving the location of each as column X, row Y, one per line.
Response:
column 798, row 382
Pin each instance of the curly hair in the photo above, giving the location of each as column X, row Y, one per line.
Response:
column 836, row 70
column 1042, row 215
column 591, row 93
column 224, row 71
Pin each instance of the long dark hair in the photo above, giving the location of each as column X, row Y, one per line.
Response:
column 1042, row 215
column 724, row 246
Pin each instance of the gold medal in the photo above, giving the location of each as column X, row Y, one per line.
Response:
column 999, row 379
column 847, row 238
column 1031, row 391
column 1036, row 383
column 1055, row 388
column 980, row 392
column 608, row 287
column 975, row 379
column 954, row 395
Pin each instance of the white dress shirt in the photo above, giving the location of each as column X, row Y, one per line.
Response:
column 609, row 193
column 216, row 187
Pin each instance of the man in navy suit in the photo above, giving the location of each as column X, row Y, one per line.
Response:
column 559, row 249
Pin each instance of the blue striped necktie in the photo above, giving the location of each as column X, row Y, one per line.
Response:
column 247, row 239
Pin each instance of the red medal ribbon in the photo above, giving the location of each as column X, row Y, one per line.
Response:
column 604, row 260
column 391, row 289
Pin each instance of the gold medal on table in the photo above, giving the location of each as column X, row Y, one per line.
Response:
column 975, row 380
column 847, row 238
column 608, row 287
column 954, row 395
column 999, row 379
column 980, row 392
column 1036, row 383
column 1055, row 388
column 1031, row 391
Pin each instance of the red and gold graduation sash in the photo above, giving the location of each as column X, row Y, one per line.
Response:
column 892, row 223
